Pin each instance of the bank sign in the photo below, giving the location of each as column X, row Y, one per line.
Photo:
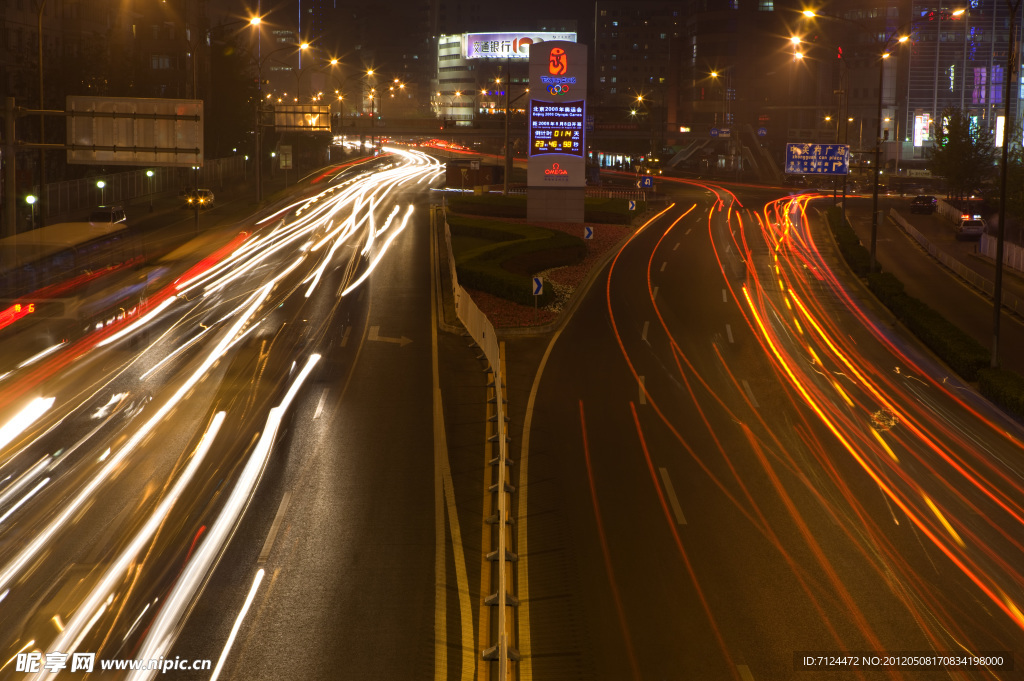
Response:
column 557, row 115
column 507, row 45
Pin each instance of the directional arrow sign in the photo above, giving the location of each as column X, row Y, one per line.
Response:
column 538, row 286
column 645, row 182
column 588, row 232
column 632, row 205
column 375, row 336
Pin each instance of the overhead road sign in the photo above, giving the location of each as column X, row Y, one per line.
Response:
column 818, row 159
column 134, row 131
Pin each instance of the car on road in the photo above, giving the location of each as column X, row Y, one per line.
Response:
column 108, row 215
column 199, row 197
column 970, row 228
column 923, row 204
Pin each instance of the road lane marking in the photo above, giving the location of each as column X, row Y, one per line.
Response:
column 725, row 296
column 728, row 332
column 750, row 394
column 687, row 231
column 375, row 336
column 272, row 535
column 320, row 404
column 728, row 248
column 444, row 498
column 744, row 671
column 238, row 624
column 344, row 337
column 643, row 391
column 655, row 294
column 664, row 265
column 670, row 491
column 643, row 334
column 676, row 246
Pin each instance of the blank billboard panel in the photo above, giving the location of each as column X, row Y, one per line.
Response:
column 135, row 131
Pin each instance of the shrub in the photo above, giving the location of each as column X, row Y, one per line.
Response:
column 886, row 287
column 516, row 252
column 1003, row 387
column 607, row 211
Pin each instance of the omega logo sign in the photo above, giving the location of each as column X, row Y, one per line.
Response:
column 555, row 169
column 558, row 63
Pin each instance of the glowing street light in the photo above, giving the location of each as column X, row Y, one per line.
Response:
column 31, row 200
column 101, row 184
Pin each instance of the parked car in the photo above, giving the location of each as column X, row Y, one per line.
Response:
column 923, row 204
column 201, row 197
column 970, row 228
column 108, row 215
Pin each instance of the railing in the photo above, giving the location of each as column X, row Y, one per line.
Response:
column 502, row 650
column 975, row 279
column 63, row 200
column 1013, row 255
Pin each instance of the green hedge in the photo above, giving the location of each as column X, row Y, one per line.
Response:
column 966, row 356
column 1003, row 387
column 515, row 252
column 856, row 256
column 605, row 211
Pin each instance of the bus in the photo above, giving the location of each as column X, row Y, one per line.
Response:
column 43, row 268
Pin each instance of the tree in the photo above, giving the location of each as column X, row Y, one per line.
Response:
column 964, row 153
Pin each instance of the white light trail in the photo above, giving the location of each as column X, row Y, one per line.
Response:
column 25, row 418
column 78, row 626
column 164, row 628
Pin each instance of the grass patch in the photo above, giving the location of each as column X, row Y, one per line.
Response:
column 501, row 258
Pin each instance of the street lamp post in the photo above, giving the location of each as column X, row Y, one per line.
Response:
column 149, row 174
column 260, row 61
column 1011, row 73
column 101, row 184
column 31, row 201
column 42, row 119
column 885, row 46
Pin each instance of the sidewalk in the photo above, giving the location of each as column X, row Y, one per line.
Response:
column 926, row 279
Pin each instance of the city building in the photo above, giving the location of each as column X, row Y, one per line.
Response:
column 474, row 69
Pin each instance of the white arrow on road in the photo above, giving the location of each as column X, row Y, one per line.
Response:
column 375, row 336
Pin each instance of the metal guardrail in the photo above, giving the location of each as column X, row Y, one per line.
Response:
column 975, row 279
column 62, row 200
column 502, row 650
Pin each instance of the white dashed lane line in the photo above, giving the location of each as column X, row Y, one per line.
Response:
column 643, row 334
column 728, row 332
column 750, row 394
column 673, row 500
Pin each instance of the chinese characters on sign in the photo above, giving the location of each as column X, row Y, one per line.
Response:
column 556, row 128
column 818, row 159
column 506, row 45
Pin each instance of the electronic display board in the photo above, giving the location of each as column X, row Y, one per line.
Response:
column 557, row 127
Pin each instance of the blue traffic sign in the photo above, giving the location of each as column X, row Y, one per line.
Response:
column 818, row 159
column 714, row 132
column 632, row 205
column 588, row 232
column 645, row 182
column 538, row 286
column 761, row 132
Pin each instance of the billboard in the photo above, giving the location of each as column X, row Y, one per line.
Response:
column 311, row 117
column 557, row 127
column 514, row 45
column 134, row 131
column 818, row 159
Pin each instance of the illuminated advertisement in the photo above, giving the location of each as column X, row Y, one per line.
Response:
column 556, row 128
column 557, row 115
column 506, row 45
column 922, row 125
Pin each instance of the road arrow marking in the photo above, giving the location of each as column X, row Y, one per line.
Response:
column 375, row 336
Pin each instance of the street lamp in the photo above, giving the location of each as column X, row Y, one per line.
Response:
column 260, row 61
column 885, row 44
column 31, row 200
column 101, row 184
column 149, row 174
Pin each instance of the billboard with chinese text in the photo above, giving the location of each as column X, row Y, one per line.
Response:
column 818, row 159
column 557, row 125
column 506, row 45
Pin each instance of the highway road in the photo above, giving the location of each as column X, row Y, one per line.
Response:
column 132, row 453
column 728, row 461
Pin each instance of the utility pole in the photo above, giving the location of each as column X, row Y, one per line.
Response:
column 1011, row 73
column 42, row 126
column 508, row 148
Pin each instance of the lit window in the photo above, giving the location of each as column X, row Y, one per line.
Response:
column 765, row 5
